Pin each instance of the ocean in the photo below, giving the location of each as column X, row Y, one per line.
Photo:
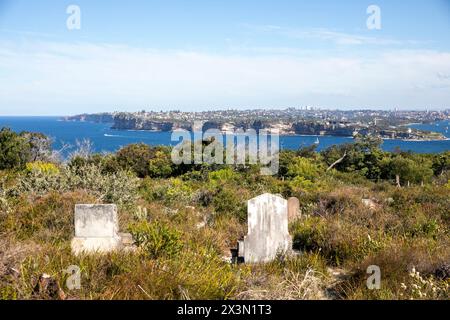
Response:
column 105, row 139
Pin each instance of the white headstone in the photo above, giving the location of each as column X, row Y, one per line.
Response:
column 268, row 233
column 96, row 229
column 96, row 221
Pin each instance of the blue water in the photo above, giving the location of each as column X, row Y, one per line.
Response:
column 108, row 140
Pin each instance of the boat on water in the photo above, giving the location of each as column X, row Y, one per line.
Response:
column 317, row 142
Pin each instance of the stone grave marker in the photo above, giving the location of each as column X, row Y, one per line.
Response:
column 267, row 229
column 293, row 209
column 96, row 229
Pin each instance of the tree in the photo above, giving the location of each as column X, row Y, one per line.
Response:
column 307, row 152
column 136, row 157
column 286, row 157
column 161, row 165
column 363, row 156
column 15, row 150
column 441, row 163
column 40, row 146
column 409, row 170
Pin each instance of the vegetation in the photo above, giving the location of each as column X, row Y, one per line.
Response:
column 185, row 219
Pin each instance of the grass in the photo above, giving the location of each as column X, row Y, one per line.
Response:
column 185, row 228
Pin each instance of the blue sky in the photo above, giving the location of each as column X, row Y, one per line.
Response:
column 198, row 55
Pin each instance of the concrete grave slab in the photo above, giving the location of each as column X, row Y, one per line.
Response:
column 97, row 230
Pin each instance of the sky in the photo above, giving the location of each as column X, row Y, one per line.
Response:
column 216, row 54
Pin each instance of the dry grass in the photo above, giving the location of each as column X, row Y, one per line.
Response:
column 290, row 286
column 407, row 228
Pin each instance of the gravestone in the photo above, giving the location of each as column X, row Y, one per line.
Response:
column 268, row 233
column 293, row 209
column 96, row 229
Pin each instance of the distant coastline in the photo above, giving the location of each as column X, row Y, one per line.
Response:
column 105, row 139
column 385, row 125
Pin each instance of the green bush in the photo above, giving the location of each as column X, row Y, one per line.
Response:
column 362, row 156
column 46, row 219
column 303, row 167
column 136, row 157
column 409, row 170
column 338, row 242
column 119, row 187
column 161, row 166
column 229, row 201
column 15, row 150
column 157, row 239
column 223, row 176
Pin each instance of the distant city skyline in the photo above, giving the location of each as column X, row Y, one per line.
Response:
column 305, row 108
column 203, row 55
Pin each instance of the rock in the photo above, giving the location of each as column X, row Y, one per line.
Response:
column 443, row 272
column 48, row 288
column 201, row 225
column 126, row 239
column 369, row 203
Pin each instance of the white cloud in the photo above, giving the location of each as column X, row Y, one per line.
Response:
column 67, row 78
column 322, row 34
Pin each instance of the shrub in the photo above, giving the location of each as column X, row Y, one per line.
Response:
column 338, row 242
column 15, row 150
column 4, row 203
column 222, row 176
column 303, row 167
column 161, row 165
column 362, row 156
column 179, row 191
column 407, row 169
column 42, row 167
column 120, row 187
column 136, row 157
column 421, row 287
column 40, row 147
column 300, row 183
column 49, row 218
column 232, row 202
column 157, row 239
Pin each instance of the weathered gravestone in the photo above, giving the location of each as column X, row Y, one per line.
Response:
column 293, row 209
column 96, row 229
column 267, row 229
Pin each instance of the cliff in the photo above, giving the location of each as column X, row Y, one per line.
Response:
column 287, row 122
column 97, row 117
